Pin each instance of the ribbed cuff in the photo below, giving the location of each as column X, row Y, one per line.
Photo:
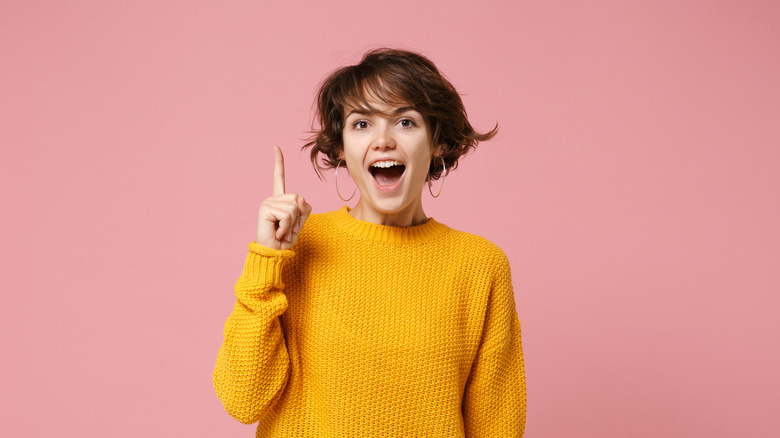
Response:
column 264, row 265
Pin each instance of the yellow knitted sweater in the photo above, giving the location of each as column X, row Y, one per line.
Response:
column 365, row 330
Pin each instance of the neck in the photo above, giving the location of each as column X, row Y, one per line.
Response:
column 407, row 217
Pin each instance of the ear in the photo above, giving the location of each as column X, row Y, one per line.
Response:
column 437, row 151
column 340, row 153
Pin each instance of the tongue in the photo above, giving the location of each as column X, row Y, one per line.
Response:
column 388, row 176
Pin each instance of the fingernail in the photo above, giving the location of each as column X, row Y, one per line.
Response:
column 297, row 228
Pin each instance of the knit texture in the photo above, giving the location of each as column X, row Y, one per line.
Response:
column 365, row 330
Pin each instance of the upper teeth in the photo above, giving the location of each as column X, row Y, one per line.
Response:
column 387, row 163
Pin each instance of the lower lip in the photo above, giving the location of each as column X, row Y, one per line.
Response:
column 389, row 188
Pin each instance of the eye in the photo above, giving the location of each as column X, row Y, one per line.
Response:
column 360, row 124
column 407, row 123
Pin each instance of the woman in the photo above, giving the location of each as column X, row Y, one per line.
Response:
column 375, row 321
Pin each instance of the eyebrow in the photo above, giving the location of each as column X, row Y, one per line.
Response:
column 364, row 112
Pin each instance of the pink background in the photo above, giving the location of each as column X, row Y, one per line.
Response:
column 633, row 184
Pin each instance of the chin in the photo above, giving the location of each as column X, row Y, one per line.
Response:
column 389, row 206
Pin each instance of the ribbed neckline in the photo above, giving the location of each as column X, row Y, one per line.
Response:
column 384, row 233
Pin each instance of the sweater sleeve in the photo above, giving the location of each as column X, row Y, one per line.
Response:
column 252, row 364
column 494, row 401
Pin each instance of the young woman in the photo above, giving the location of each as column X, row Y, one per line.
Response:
column 375, row 321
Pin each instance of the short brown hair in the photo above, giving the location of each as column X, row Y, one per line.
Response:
column 394, row 77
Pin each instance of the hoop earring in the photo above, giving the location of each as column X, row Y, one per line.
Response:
column 443, row 176
column 337, row 185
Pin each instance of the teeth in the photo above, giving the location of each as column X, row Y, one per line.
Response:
column 387, row 163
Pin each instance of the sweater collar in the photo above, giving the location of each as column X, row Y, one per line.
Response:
column 386, row 234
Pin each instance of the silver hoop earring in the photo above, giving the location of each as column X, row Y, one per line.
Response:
column 337, row 185
column 443, row 176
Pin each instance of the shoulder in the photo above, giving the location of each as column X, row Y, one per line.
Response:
column 476, row 249
column 314, row 228
column 316, row 220
column 481, row 266
column 319, row 231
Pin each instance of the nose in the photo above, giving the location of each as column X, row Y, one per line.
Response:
column 383, row 138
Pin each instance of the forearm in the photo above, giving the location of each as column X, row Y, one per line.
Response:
column 252, row 364
column 494, row 403
column 495, row 400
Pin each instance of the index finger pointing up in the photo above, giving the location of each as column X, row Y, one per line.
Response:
column 278, row 171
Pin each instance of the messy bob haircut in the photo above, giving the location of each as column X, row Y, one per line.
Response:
column 397, row 78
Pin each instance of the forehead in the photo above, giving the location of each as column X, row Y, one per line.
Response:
column 375, row 96
column 376, row 107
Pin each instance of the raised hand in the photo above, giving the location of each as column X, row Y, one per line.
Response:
column 281, row 215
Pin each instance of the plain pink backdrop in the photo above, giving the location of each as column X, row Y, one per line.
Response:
column 633, row 184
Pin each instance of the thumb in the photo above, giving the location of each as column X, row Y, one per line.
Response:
column 305, row 209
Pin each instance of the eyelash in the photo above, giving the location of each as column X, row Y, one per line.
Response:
column 412, row 124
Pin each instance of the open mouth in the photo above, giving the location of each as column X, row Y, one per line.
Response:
column 387, row 172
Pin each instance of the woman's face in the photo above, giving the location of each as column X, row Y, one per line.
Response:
column 388, row 154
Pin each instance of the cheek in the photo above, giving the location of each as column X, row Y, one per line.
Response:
column 423, row 155
column 353, row 162
column 348, row 151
